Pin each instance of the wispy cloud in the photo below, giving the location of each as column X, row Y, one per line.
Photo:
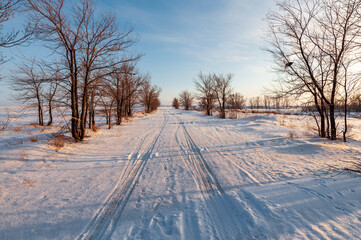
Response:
column 222, row 32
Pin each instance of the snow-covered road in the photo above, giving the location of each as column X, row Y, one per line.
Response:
column 182, row 175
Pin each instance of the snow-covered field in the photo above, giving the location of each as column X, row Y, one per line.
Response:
column 181, row 175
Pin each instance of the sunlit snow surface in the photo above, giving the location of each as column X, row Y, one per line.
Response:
column 180, row 175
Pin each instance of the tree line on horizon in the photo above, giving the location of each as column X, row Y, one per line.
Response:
column 90, row 68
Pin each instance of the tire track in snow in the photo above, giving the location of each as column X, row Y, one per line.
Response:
column 225, row 216
column 104, row 221
column 244, row 172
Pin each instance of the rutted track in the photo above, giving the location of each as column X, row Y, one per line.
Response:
column 104, row 221
column 224, row 215
column 209, row 182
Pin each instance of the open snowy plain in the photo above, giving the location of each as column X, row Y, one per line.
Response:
column 181, row 175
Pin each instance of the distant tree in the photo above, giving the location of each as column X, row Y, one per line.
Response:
column 107, row 102
column 222, row 89
column 266, row 101
column 251, row 102
column 258, row 102
column 149, row 97
column 175, row 103
column 186, row 99
column 52, row 77
column 205, row 92
column 236, row 101
column 124, row 84
column 29, row 84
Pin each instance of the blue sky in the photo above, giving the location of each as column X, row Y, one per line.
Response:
column 181, row 38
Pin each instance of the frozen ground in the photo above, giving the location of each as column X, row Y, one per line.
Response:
column 181, row 175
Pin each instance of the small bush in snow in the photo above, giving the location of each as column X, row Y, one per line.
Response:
column 28, row 181
column 58, row 141
column 17, row 129
column 33, row 139
column 292, row 135
column 282, row 122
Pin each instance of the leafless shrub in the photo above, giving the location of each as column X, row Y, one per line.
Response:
column 28, row 181
column 33, row 139
column 34, row 125
column 311, row 127
column 58, row 141
column 292, row 135
column 5, row 123
column 17, row 129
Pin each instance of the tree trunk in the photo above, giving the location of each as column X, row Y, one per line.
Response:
column 50, row 113
column 107, row 117
column 83, row 116
column 90, row 115
column 333, row 122
column 110, row 116
column 130, row 111
column 74, row 106
column 320, row 109
column 40, row 115
column 345, row 111
column 93, row 117
column 119, row 111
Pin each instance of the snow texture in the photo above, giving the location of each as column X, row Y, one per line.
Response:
column 180, row 175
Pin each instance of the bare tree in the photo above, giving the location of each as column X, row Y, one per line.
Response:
column 222, row 89
column 205, row 88
column 124, row 85
column 133, row 85
column 310, row 40
column 236, row 101
column 88, row 42
column 28, row 83
column 149, row 97
column 107, row 101
column 52, row 77
column 175, row 103
column 4, row 124
column 186, row 99
column 266, row 102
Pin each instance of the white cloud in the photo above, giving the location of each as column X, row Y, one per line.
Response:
column 229, row 33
